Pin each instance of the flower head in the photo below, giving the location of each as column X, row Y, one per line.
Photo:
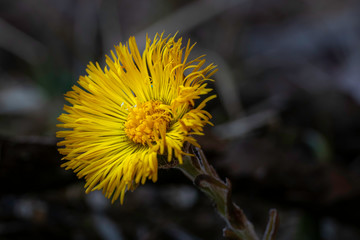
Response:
column 122, row 118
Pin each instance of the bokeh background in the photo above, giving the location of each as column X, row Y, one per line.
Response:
column 287, row 117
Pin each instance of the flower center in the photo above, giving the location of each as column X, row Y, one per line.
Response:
column 147, row 122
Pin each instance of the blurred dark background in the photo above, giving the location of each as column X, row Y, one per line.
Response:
column 287, row 117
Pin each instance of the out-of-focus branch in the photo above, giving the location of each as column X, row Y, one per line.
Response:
column 244, row 125
column 188, row 17
column 21, row 44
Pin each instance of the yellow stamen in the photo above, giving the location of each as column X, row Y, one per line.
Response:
column 147, row 122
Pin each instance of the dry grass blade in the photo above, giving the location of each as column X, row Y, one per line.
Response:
column 272, row 226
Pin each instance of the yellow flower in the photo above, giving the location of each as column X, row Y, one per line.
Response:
column 139, row 108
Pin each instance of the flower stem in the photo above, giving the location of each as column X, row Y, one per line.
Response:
column 204, row 176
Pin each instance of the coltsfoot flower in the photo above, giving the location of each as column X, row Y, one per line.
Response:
column 122, row 118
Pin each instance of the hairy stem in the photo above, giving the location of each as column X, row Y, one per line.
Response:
column 204, row 176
